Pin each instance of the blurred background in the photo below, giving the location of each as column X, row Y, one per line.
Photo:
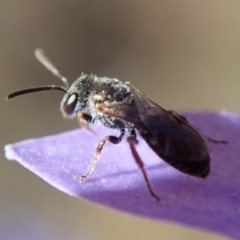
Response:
column 183, row 54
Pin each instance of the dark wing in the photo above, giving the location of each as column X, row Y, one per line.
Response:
column 169, row 134
column 172, row 137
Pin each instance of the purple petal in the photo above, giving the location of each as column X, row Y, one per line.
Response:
column 211, row 204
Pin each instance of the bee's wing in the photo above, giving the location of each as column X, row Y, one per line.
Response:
column 172, row 137
column 169, row 134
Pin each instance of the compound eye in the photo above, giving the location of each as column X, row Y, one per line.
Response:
column 70, row 104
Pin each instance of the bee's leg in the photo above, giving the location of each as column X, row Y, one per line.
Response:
column 98, row 151
column 83, row 120
column 216, row 141
column 132, row 140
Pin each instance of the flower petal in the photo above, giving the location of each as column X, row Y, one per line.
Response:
column 212, row 203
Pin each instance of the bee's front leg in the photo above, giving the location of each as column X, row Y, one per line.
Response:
column 98, row 151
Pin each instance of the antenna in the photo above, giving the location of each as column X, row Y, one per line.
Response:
column 46, row 62
column 35, row 89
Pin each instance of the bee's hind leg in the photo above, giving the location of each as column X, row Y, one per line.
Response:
column 216, row 141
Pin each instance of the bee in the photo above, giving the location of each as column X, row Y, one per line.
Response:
column 118, row 105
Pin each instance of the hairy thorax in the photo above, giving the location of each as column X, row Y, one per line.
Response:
column 113, row 93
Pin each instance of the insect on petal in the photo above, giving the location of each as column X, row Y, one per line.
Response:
column 209, row 204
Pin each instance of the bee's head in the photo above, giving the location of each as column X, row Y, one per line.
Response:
column 76, row 98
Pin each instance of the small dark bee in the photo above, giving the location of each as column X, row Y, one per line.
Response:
column 118, row 105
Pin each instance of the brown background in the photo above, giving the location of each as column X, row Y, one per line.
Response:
column 183, row 54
